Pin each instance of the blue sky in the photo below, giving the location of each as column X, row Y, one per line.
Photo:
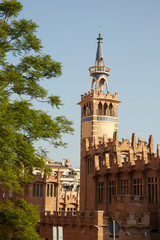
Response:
column 131, row 45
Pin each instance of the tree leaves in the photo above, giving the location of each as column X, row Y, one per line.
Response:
column 17, row 221
column 10, row 8
column 20, row 124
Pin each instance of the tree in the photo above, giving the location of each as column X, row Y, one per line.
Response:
column 18, row 222
column 20, row 124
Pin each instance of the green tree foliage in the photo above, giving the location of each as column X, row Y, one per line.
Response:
column 19, row 222
column 20, row 124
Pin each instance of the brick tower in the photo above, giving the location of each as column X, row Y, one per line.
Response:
column 99, row 121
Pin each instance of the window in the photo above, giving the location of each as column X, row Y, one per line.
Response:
column 84, row 110
column 37, row 190
column 89, row 109
column 112, row 189
column 106, row 109
column 124, row 186
column 100, row 192
column 47, row 190
column 41, row 190
column 111, row 109
column 100, row 108
column 152, row 190
column 137, row 186
column 90, row 166
column 51, row 190
column 34, row 189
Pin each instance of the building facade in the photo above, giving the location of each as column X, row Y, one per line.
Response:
column 120, row 180
column 58, row 192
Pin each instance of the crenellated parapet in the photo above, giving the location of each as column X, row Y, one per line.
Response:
column 94, row 94
column 64, row 218
column 127, row 153
column 96, row 219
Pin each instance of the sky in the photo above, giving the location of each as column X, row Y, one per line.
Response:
column 131, row 46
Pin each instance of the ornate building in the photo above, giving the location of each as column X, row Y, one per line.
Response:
column 57, row 192
column 120, row 182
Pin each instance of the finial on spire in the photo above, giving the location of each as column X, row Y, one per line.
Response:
column 99, row 38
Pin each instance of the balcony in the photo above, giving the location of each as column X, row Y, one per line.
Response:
column 99, row 69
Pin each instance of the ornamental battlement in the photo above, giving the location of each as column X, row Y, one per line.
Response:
column 126, row 155
column 63, row 218
column 92, row 219
column 99, row 94
column 126, row 145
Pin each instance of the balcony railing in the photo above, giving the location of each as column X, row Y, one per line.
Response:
column 99, row 69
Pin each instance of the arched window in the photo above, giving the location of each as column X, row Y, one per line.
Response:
column 111, row 109
column 100, row 108
column 106, row 109
column 89, row 109
column 84, row 110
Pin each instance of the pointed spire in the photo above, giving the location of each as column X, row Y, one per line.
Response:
column 99, row 70
column 99, row 56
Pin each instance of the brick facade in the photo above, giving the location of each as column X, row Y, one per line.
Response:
column 120, row 182
column 49, row 192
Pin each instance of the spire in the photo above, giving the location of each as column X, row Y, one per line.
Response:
column 99, row 71
column 99, row 68
column 99, row 56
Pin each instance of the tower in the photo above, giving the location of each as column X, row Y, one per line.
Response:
column 99, row 121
